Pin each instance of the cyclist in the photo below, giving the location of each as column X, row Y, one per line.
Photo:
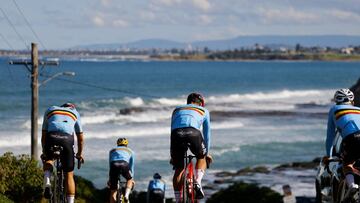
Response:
column 59, row 125
column 345, row 118
column 186, row 122
column 121, row 160
column 156, row 190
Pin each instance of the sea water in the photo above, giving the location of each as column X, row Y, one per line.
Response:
column 261, row 112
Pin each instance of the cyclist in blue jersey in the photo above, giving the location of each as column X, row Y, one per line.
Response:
column 121, row 161
column 186, row 123
column 156, row 190
column 59, row 126
column 344, row 117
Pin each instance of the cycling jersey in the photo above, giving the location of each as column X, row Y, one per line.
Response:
column 122, row 153
column 62, row 119
column 346, row 119
column 156, row 184
column 195, row 116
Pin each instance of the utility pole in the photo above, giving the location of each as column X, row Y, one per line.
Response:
column 34, row 70
column 34, row 99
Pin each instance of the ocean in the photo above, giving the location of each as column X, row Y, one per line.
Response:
column 262, row 113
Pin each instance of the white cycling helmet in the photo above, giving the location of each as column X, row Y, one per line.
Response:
column 343, row 95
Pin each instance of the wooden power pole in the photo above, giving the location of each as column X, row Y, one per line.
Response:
column 34, row 99
column 34, row 70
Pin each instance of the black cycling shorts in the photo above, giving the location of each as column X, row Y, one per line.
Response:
column 181, row 140
column 350, row 148
column 118, row 168
column 64, row 140
column 156, row 196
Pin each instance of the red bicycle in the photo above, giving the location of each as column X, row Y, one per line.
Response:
column 188, row 193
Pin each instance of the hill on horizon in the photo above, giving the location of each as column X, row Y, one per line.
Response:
column 335, row 41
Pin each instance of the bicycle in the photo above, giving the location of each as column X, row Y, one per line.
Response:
column 58, row 186
column 188, row 193
column 120, row 195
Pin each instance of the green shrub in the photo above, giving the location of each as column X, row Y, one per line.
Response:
column 21, row 178
column 245, row 193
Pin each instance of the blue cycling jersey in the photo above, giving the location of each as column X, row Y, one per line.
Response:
column 122, row 153
column 62, row 119
column 346, row 119
column 195, row 116
column 156, row 184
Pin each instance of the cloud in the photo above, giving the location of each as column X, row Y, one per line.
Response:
column 167, row 2
column 344, row 15
column 105, row 2
column 205, row 19
column 98, row 21
column 120, row 23
column 202, row 4
column 286, row 15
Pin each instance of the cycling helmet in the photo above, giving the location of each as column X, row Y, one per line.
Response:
column 157, row 176
column 68, row 105
column 197, row 98
column 122, row 141
column 343, row 95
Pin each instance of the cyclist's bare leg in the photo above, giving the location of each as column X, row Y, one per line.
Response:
column 177, row 183
column 129, row 186
column 48, row 168
column 70, row 192
column 113, row 194
column 200, row 169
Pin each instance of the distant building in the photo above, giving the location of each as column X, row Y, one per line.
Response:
column 347, row 50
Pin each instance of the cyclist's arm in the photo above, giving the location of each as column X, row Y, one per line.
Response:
column 331, row 130
column 132, row 163
column 206, row 131
column 44, row 129
column 80, row 142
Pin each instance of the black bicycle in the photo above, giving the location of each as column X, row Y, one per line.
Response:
column 58, row 186
column 121, row 186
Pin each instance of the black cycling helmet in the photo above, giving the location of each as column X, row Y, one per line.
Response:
column 196, row 98
column 122, row 141
column 68, row 105
column 157, row 176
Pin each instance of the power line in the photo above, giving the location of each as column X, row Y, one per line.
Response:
column 13, row 27
column 28, row 24
column 104, row 88
column 7, row 42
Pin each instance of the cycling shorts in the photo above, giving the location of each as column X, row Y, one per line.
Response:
column 350, row 148
column 118, row 168
column 156, row 196
column 64, row 140
column 181, row 140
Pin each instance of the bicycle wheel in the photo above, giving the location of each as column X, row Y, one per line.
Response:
column 120, row 195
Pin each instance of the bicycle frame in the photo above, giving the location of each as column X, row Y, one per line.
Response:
column 120, row 195
column 188, row 194
column 59, row 180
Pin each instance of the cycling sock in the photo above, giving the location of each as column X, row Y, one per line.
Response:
column 177, row 196
column 127, row 192
column 47, row 175
column 70, row 198
column 349, row 179
column 199, row 174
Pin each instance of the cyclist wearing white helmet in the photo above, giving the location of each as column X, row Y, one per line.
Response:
column 345, row 118
column 121, row 161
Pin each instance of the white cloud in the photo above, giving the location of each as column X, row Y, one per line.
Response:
column 205, row 19
column 344, row 15
column 98, row 21
column 202, row 4
column 168, row 2
column 120, row 23
column 286, row 15
column 147, row 15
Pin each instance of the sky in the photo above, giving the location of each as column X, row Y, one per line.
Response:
column 67, row 23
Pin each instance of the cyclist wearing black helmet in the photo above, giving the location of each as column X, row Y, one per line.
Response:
column 156, row 190
column 59, row 126
column 121, row 160
column 186, row 123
